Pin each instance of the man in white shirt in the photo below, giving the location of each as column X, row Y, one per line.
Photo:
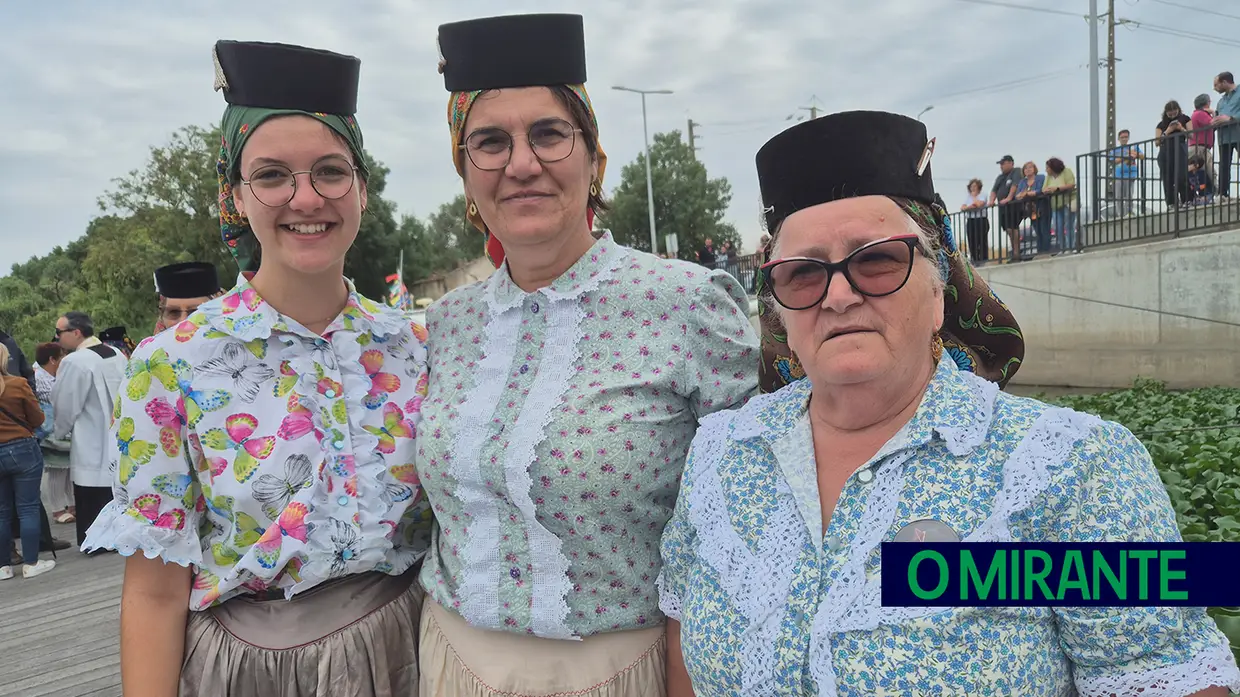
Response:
column 87, row 384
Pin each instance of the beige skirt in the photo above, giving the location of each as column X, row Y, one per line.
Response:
column 352, row 637
column 458, row 660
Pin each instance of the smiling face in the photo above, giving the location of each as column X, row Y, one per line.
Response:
column 528, row 202
column 849, row 338
column 309, row 234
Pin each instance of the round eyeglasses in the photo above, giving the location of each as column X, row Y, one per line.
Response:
column 551, row 140
column 875, row 269
column 276, row 185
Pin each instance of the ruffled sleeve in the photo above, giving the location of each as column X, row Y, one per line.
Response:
column 722, row 363
column 1150, row 651
column 156, row 497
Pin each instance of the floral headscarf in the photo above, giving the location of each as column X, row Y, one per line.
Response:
column 459, row 105
column 239, row 123
column 979, row 332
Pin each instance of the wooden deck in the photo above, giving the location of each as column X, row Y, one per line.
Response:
column 59, row 632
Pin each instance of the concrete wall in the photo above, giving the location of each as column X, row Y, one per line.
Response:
column 1074, row 338
column 438, row 286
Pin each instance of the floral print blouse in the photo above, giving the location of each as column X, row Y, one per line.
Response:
column 266, row 456
column 770, row 605
column 555, row 430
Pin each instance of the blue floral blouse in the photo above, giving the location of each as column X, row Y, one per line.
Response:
column 268, row 457
column 770, row 605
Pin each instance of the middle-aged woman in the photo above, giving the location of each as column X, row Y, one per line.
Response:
column 265, row 444
column 1060, row 185
column 1036, row 207
column 564, row 391
column 21, row 472
column 771, row 566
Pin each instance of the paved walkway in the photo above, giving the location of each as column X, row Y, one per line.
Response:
column 60, row 631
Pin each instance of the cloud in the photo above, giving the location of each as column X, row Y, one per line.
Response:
column 90, row 89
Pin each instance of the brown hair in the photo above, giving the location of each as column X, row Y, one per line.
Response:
column 976, row 181
column 1055, row 166
column 1172, row 105
column 4, row 366
column 583, row 120
column 46, row 353
column 1032, row 164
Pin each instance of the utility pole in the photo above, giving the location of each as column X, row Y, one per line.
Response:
column 1095, row 138
column 1111, row 22
column 813, row 107
column 692, row 140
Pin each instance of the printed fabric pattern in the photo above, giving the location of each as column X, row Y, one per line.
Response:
column 269, row 458
column 989, row 465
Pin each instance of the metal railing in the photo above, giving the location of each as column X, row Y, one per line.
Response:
column 743, row 268
column 1147, row 189
column 1036, row 224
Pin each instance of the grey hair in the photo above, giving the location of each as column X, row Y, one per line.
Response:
column 927, row 239
column 81, row 322
column 1201, row 101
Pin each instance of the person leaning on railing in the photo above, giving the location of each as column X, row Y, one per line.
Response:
column 1201, row 139
column 1173, row 154
column 977, row 227
column 1061, row 182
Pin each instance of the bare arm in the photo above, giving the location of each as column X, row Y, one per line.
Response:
column 154, row 610
column 678, row 683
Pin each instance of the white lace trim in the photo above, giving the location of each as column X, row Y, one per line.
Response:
column 881, row 506
column 758, row 583
column 478, row 592
column 1026, row 474
column 550, row 584
column 983, row 393
column 1214, row 667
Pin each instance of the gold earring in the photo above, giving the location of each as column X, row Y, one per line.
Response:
column 593, row 188
column 936, row 347
column 473, row 209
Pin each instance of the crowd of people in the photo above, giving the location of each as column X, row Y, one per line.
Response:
column 588, row 474
column 1048, row 199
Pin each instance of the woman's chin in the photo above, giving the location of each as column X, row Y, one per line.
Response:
column 852, row 365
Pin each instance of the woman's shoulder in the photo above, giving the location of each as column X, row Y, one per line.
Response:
column 1046, row 424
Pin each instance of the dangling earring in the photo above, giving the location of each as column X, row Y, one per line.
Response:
column 936, row 347
column 593, row 188
column 473, row 209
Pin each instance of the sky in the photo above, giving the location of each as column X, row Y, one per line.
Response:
column 88, row 88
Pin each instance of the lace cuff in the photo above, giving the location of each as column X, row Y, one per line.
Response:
column 1214, row 667
column 669, row 600
column 115, row 529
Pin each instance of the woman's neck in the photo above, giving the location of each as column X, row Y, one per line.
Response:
column 313, row 301
column 876, row 409
column 538, row 266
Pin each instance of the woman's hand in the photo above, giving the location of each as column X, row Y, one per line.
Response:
column 678, row 683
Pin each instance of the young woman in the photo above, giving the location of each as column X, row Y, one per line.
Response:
column 21, row 472
column 265, row 444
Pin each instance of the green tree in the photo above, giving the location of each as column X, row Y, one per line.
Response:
column 687, row 202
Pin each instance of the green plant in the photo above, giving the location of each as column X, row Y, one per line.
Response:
column 1199, row 464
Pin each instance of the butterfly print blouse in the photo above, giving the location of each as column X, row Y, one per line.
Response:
column 269, row 457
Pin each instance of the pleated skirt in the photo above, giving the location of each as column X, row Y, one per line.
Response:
column 458, row 660
column 352, row 637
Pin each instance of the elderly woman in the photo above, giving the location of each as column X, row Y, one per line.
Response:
column 264, row 488
column 897, row 432
column 564, row 391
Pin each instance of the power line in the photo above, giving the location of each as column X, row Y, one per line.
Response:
column 1197, row 9
column 1045, row 10
column 1011, row 84
column 1183, row 34
column 1113, row 304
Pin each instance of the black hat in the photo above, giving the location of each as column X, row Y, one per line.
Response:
column 113, row 334
column 1005, row 158
column 281, row 76
column 854, row 153
column 513, row 51
column 192, row 279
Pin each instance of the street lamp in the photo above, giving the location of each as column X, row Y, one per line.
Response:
column 923, row 112
column 654, row 244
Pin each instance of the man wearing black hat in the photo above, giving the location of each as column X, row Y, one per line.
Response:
column 182, row 288
column 1004, row 193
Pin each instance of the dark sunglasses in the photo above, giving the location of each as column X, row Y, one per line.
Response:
column 874, row 270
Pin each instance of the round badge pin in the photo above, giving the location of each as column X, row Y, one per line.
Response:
column 927, row 530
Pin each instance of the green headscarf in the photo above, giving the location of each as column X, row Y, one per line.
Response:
column 238, row 124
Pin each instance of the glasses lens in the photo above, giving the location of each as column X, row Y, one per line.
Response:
column 552, row 140
column 273, row 185
column 882, row 268
column 798, row 284
column 489, row 148
column 332, row 178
